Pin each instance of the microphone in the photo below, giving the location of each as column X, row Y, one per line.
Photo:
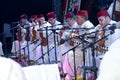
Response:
column 114, row 26
column 17, row 22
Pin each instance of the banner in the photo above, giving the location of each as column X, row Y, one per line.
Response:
column 73, row 6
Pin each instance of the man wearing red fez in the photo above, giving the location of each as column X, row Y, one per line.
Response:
column 103, row 27
column 68, row 64
column 33, row 17
column 34, row 37
column 23, row 16
column 84, row 22
column 23, row 35
column 82, row 19
column 42, row 22
column 55, row 24
column 52, row 18
column 104, row 23
column 24, row 19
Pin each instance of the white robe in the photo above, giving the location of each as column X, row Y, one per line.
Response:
column 117, row 8
column 10, row 70
column 109, row 67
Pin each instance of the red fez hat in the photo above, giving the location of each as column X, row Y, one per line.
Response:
column 69, row 15
column 51, row 15
column 34, row 16
column 23, row 16
column 102, row 13
column 82, row 13
column 40, row 15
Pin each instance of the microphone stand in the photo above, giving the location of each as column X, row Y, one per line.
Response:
column 83, row 41
column 54, row 34
column 18, row 26
column 44, row 54
column 93, row 68
column 14, row 34
column 46, row 29
column 73, row 49
column 84, row 72
column 27, row 39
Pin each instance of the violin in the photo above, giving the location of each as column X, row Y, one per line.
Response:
column 43, row 39
column 19, row 34
column 62, row 30
column 73, row 37
column 34, row 37
column 101, row 43
column 27, row 37
column 100, row 35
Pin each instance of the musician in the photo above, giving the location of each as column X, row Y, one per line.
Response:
column 114, row 9
column 53, row 21
column 42, row 48
column 83, row 22
column 67, row 59
column 1, row 49
column 24, row 20
column 10, row 70
column 19, row 43
column 20, row 46
column 34, row 29
column 71, row 23
column 104, row 23
column 34, row 37
column 54, row 36
column 42, row 22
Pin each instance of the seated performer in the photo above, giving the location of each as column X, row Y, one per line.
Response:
column 20, row 47
column 88, row 28
column 53, row 36
column 42, row 48
column 66, row 45
column 108, row 35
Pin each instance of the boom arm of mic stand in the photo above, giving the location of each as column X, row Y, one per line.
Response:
column 71, row 49
column 92, row 43
column 44, row 54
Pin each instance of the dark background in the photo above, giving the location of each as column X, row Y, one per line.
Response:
column 12, row 9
